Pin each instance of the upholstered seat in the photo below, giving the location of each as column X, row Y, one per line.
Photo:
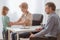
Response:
column 37, row 19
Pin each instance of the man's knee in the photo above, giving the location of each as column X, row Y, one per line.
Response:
column 24, row 35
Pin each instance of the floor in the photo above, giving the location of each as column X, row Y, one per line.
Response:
column 0, row 39
column 24, row 38
column 21, row 39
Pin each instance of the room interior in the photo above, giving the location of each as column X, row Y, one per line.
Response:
column 35, row 7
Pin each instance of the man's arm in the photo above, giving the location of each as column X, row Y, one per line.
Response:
column 47, row 29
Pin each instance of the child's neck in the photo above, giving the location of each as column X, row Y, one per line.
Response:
column 4, row 15
column 26, row 12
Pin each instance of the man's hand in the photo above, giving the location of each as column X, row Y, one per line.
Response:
column 38, row 29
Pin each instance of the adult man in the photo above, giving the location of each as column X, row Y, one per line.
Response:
column 50, row 30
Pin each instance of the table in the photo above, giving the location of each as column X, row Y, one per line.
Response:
column 20, row 28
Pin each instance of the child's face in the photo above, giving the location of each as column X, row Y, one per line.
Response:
column 5, row 12
column 23, row 10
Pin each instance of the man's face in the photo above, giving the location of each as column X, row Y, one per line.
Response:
column 47, row 9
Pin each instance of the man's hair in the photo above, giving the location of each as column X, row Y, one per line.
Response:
column 52, row 5
column 5, row 8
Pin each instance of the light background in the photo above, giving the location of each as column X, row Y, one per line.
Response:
column 35, row 6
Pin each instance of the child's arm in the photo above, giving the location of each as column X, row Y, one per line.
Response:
column 17, row 22
column 8, row 21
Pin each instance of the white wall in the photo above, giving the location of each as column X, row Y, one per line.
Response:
column 35, row 6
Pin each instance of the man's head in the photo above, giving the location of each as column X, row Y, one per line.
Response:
column 50, row 7
column 5, row 10
column 24, row 7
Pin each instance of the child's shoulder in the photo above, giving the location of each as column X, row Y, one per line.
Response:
column 7, row 16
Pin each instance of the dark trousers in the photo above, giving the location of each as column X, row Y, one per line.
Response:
column 22, row 35
column 5, row 35
column 43, row 38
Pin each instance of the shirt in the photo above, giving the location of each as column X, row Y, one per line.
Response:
column 27, row 17
column 5, row 21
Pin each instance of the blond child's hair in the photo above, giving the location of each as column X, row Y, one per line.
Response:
column 24, row 5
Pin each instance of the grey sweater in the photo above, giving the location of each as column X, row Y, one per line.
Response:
column 51, row 28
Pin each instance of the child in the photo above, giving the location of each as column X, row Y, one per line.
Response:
column 5, row 21
column 26, row 20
